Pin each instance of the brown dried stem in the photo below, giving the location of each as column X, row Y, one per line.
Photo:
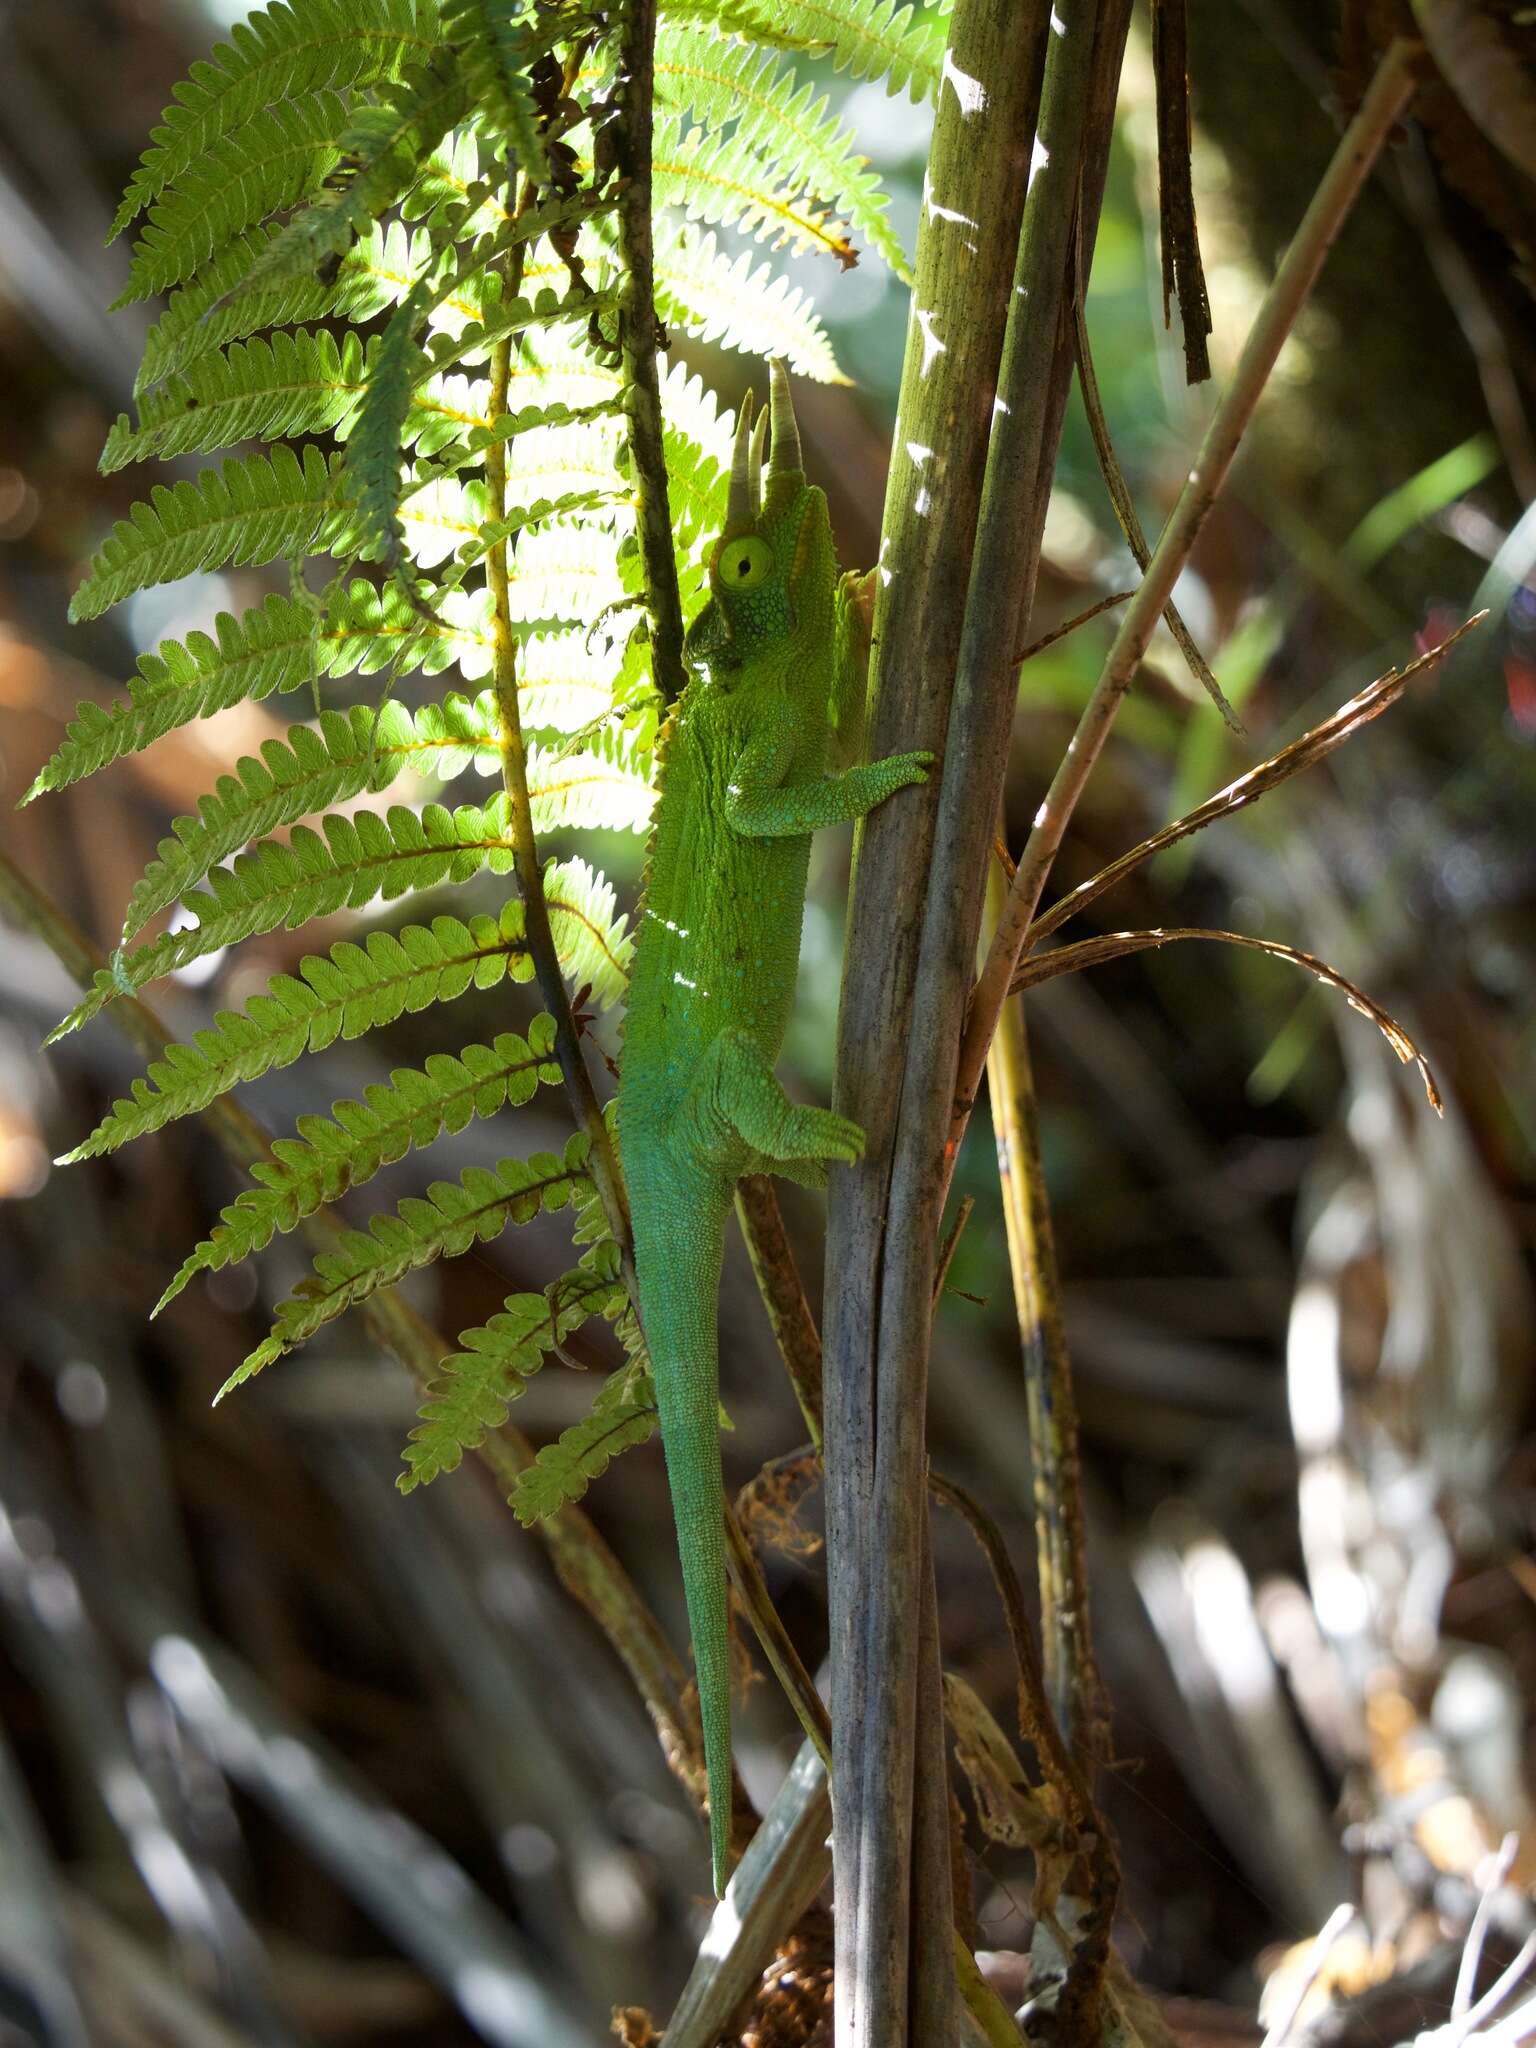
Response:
column 983, row 393
column 1071, row 1675
column 1313, row 746
column 1115, row 945
column 1362, row 142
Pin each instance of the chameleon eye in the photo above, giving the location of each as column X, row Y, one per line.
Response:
column 743, row 564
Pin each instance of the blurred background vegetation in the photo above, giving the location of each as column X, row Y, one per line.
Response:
column 284, row 1758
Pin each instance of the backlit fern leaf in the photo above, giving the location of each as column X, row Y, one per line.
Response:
column 538, row 512
column 256, row 508
column 696, row 488
column 365, row 750
column 495, row 49
column 780, row 125
column 564, row 681
column 293, row 384
column 350, row 862
column 604, row 784
column 350, row 752
column 470, row 1393
column 279, row 53
column 454, row 1216
column 351, row 990
column 499, row 318
column 377, row 271
column 278, row 646
column 623, row 1414
column 739, row 302
column 380, row 152
column 721, row 181
column 563, row 573
column 375, row 450
column 595, row 945
column 455, row 430
column 878, row 39
column 342, row 1151
column 272, row 160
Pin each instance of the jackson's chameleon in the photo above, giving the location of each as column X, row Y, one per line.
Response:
column 774, row 665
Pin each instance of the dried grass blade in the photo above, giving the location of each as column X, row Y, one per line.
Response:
column 1071, row 625
column 1313, row 746
column 1115, row 945
column 1125, row 506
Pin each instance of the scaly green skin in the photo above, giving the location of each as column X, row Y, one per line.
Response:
column 744, row 783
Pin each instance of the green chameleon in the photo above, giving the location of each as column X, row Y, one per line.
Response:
column 775, row 661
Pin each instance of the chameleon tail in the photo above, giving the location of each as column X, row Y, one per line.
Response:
column 683, row 1246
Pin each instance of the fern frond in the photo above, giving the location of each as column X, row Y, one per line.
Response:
column 603, row 786
column 255, row 508
column 696, row 488
column 281, row 52
column 540, row 512
column 563, row 682
column 443, row 516
column 451, row 424
column 329, row 1157
column 454, row 1215
column 721, row 180
column 594, row 944
column 350, row 862
column 500, row 318
column 381, row 151
column 350, row 752
column 742, row 304
column 495, row 49
column 376, row 272
column 563, row 573
column 375, row 450
column 279, row 646
column 294, row 384
column 364, row 750
column 780, row 125
column 274, row 159
column 623, row 1414
column 472, row 1389
column 341, row 994
column 874, row 39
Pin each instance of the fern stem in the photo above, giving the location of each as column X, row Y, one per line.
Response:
column 641, row 335
column 586, row 1566
column 603, row 1164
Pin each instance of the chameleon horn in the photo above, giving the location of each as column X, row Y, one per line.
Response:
column 739, row 507
column 785, row 458
column 755, row 463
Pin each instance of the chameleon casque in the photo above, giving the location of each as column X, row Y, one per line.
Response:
column 775, row 667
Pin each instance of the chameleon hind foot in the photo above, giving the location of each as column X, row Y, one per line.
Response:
column 820, row 1135
column 736, row 1094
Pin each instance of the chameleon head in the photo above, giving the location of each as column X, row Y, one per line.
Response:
column 773, row 569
